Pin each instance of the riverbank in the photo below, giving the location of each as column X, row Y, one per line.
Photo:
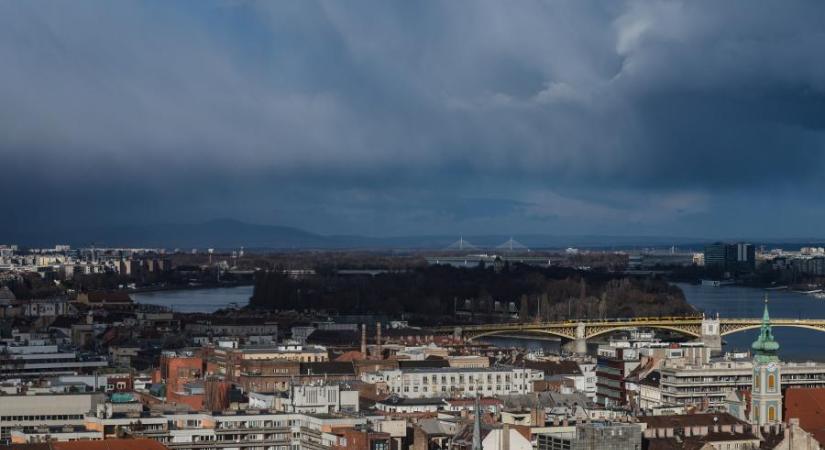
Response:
column 197, row 300
column 188, row 287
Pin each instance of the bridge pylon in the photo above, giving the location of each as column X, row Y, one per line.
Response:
column 712, row 333
column 579, row 345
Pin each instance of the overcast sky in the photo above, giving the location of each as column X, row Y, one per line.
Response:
column 694, row 118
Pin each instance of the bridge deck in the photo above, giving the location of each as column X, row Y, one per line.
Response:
column 585, row 329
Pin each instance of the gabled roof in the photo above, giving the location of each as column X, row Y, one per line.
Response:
column 353, row 355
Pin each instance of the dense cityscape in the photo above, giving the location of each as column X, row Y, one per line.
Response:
column 521, row 349
column 412, row 225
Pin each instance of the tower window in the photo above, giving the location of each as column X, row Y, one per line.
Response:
column 772, row 382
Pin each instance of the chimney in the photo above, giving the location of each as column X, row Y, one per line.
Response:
column 379, row 352
column 364, row 339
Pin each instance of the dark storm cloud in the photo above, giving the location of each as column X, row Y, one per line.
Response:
column 405, row 117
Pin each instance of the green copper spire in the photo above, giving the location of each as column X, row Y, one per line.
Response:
column 765, row 347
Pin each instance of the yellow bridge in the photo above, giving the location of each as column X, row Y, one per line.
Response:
column 694, row 326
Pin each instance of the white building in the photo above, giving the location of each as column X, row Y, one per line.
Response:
column 37, row 359
column 456, row 382
column 47, row 410
column 587, row 385
column 309, row 398
column 695, row 384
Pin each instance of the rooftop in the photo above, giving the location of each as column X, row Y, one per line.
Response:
column 690, row 420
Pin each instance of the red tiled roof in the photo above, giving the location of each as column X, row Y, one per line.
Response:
column 109, row 444
column 353, row 355
column 807, row 405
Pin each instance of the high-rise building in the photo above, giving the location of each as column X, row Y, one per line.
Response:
column 740, row 257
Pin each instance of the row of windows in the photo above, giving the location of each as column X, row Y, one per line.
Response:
column 498, row 387
column 41, row 418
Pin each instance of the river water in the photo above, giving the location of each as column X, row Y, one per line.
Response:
column 197, row 300
column 741, row 302
column 728, row 301
column 737, row 302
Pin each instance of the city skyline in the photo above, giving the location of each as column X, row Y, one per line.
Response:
column 698, row 119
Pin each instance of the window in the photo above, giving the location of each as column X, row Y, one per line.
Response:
column 772, row 382
column 771, row 413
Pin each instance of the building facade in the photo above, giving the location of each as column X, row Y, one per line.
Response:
column 457, row 382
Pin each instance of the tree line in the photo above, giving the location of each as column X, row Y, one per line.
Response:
column 441, row 293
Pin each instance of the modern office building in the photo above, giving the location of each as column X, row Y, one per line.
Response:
column 739, row 257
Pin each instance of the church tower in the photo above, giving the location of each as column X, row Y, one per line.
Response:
column 766, row 390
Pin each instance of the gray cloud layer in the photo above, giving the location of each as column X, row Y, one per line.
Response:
column 401, row 117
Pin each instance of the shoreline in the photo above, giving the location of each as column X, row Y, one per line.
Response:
column 185, row 287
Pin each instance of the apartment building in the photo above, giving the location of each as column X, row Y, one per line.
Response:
column 262, row 360
column 456, row 381
column 65, row 433
column 314, row 398
column 241, row 430
column 44, row 410
column 613, row 365
column 712, row 382
column 40, row 358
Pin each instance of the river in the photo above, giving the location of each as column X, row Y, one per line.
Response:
column 197, row 300
column 728, row 301
column 796, row 344
column 735, row 301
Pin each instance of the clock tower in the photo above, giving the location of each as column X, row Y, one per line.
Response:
column 766, row 390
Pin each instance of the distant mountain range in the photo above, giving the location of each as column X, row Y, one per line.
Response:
column 229, row 234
